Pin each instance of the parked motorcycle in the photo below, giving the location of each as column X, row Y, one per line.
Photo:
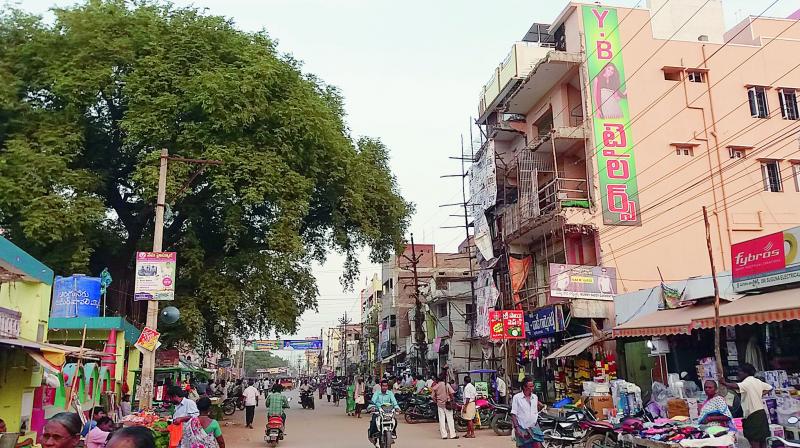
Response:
column 274, row 431
column 386, row 424
column 421, row 409
column 229, row 406
column 307, row 399
column 501, row 420
column 484, row 409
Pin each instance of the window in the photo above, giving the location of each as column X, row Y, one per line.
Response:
column 684, row 151
column 695, row 76
column 757, row 96
column 672, row 75
column 469, row 314
column 392, row 321
column 735, row 153
column 788, row 100
column 771, row 171
column 442, row 309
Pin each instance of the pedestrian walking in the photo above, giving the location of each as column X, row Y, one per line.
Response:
column 250, row 402
column 360, row 392
column 329, row 391
column 525, row 407
column 501, row 387
column 62, row 430
column 202, row 431
column 321, row 389
column 468, row 410
column 351, row 400
column 442, row 393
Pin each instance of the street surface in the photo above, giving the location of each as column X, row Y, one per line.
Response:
column 328, row 426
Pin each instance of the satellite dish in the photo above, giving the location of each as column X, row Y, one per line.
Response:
column 170, row 315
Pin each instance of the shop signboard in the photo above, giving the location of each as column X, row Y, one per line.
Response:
column 224, row 363
column 268, row 344
column 544, row 322
column 167, row 358
column 766, row 261
column 155, row 276
column 619, row 193
column 506, row 324
column 302, row 344
column 582, row 282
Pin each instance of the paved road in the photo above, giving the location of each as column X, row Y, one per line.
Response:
column 329, row 427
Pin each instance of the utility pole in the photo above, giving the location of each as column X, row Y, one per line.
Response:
column 422, row 344
column 149, row 357
column 717, row 352
column 344, row 321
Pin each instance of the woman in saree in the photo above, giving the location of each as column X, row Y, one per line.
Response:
column 351, row 399
column 715, row 409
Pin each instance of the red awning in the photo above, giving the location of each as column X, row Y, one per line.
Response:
column 664, row 322
column 776, row 306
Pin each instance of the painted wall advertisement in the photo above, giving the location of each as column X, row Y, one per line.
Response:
column 619, row 193
column 582, row 282
column 506, row 324
column 544, row 322
column 766, row 261
column 155, row 276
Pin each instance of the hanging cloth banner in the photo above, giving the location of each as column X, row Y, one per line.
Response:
column 519, row 273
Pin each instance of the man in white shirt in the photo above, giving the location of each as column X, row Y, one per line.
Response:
column 429, row 383
column 502, row 389
column 525, row 409
column 755, row 424
column 250, row 395
column 468, row 410
column 184, row 407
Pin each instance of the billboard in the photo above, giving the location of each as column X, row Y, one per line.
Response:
column 582, row 282
column 543, row 322
column 619, row 193
column 267, row 344
column 302, row 344
column 506, row 324
column 155, row 276
column 766, row 261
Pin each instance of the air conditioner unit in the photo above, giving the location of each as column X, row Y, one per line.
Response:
column 658, row 346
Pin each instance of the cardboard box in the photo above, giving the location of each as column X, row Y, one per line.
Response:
column 601, row 404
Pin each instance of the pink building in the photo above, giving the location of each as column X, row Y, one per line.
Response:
column 606, row 135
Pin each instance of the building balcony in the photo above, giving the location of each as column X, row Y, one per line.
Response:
column 516, row 67
column 552, row 198
column 545, row 75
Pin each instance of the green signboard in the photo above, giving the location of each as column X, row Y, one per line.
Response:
column 619, row 193
column 482, row 387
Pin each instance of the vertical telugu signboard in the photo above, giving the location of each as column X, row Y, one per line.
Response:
column 619, row 193
column 506, row 324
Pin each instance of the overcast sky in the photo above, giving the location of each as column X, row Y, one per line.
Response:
column 410, row 72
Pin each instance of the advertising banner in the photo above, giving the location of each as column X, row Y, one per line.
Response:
column 582, row 282
column 302, row 344
column 267, row 344
column 167, row 358
column 148, row 340
column 544, row 322
column 766, row 261
column 155, row 276
column 619, row 193
column 506, row 324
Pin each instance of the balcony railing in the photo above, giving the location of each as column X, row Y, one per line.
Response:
column 552, row 198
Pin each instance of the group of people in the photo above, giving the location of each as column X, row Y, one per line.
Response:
column 63, row 430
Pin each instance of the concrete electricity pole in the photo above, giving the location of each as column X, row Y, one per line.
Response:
column 419, row 319
column 149, row 357
column 344, row 321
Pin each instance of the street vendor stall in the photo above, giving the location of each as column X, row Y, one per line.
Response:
column 181, row 374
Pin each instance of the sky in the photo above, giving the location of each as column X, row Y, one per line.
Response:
column 410, row 73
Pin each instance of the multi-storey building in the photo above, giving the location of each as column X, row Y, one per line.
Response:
column 608, row 130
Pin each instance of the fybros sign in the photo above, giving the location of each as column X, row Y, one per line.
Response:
column 766, row 261
column 619, row 193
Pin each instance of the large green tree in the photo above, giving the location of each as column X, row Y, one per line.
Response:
column 88, row 101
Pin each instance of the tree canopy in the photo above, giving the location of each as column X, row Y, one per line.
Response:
column 253, row 361
column 88, row 101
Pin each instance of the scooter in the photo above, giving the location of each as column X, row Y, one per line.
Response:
column 274, row 432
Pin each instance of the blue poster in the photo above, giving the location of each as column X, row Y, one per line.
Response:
column 302, row 344
column 544, row 322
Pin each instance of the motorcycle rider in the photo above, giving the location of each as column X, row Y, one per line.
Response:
column 379, row 399
column 305, row 390
column 276, row 403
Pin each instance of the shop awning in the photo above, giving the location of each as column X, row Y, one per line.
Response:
column 776, row 306
column 665, row 322
column 46, row 355
column 389, row 358
column 574, row 347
